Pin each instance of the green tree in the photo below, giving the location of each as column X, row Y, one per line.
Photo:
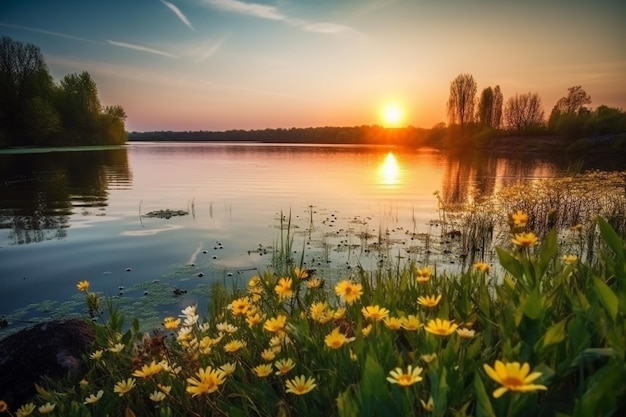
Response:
column 462, row 99
column 569, row 115
column 80, row 108
column 485, row 107
column 524, row 112
column 24, row 77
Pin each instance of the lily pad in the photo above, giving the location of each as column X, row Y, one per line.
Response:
column 166, row 214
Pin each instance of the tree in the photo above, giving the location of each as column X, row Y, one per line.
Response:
column 524, row 112
column 490, row 107
column 574, row 102
column 79, row 107
column 462, row 99
column 498, row 101
column 23, row 77
column 485, row 107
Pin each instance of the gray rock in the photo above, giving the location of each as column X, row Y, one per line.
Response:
column 51, row 349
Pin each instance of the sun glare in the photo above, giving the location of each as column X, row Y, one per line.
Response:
column 390, row 170
column 392, row 115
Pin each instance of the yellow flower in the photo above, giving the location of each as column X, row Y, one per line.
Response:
column 428, row 357
column 148, row 370
column 240, row 306
column 254, row 319
column 336, row 339
column 422, row 275
column 164, row 388
column 92, row 399
column 570, row 259
column 3, row 406
column 301, row 273
column 339, row 313
column 513, row 377
column 157, row 396
column 525, row 240
column 25, row 410
column 441, row 327
column 374, row 313
column 116, row 348
column 519, row 218
column 234, row 346
column 300, row 385
column 317, row 309
column 392, row 323
column 228, row 368
column 284, row 366
column 276, row 324
column 268, row 355
column 349, row 291
column 405, row 379
column 428, row 406
column 97, row 355
column 83, row 286
column 171, row 323
column 410, row 323
column 283, row 288
column 366, row 330
column 123, row 387
column 314, row 283
column 47, row 408
column 429, row 300
column 263, row 370
column 83, row 383
column 465, row 333
column 255, row 281
column 482, row 267
column 208, row 381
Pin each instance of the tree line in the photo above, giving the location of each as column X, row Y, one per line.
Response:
column 523, row 113
column 37, row 111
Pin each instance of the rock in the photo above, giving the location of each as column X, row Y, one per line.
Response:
column 47, row 349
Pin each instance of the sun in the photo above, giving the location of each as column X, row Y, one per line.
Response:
column 392, row 115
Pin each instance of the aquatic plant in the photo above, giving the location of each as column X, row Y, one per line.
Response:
column 546, row 338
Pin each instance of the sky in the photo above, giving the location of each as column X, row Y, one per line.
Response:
column 254, row 64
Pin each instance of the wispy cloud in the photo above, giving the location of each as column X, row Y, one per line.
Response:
column 178, row 13
column 210, row 50
column 263, row 11
column 254, row 9
column 141, row 48
column 49, row 32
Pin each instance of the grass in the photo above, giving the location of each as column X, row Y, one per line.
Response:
column 290, row 343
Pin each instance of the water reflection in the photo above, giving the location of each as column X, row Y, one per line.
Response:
column 389, row 173
column 40, row 191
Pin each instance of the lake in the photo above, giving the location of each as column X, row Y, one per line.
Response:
column 75, row 214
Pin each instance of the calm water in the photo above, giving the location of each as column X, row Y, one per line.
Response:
column 73, row 215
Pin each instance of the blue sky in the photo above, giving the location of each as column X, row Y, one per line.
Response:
column 235, row 64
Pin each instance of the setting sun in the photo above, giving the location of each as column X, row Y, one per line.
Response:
column 392, row 115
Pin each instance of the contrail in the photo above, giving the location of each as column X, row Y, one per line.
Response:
column 141, row 48
column 178, row 13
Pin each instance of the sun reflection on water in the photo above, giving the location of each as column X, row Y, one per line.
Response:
column 389, row 172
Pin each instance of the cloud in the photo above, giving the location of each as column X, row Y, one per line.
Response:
column 178, row 13
column 49, row 32
column 273, row 13
column 253, row 9
column 323, row 27
column 141, row 48
column 210, row 51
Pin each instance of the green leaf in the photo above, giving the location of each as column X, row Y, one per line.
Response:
column 483, row 405
column 510, row 263
column 548, row 249
column 607, row 297
column 555, row 334
column 346, row 405
column 612, row 239
column 532, row 305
